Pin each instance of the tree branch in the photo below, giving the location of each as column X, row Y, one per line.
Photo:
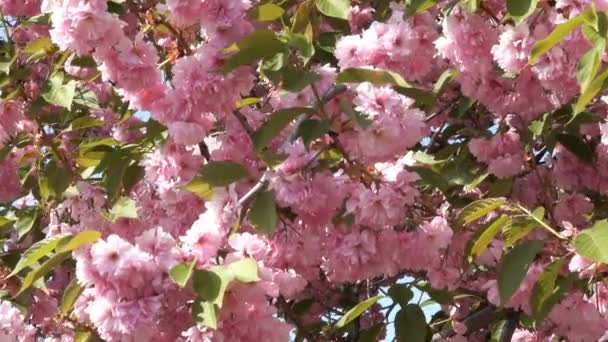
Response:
column 510, row 325
column 245, row 201
column 475, row 322
column 329, row 95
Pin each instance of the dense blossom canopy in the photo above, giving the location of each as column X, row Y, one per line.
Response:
column 252, row 170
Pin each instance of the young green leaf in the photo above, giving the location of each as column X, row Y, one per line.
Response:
column 561, row 31
column 181, row 273
column 588, row 67
column 334, row 8
column 267, row 12
column 25, row 223
column 518, row 228
column 125, row 207
column 478, row 209
column 70, row 294
column 593, row 243
column 514, row 267
column 58, row 93
column 374, row 76
column 199, row 187
column 594, row 88
column 544, row 287
column 481, row 241
column 70, row 243
column 356, row 311
column 211, row 284
column 205, row 313
column 41, row 271
column 36, row 252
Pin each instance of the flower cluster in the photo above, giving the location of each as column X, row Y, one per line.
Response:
column 236, row 170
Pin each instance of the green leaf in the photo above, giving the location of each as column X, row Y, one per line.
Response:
column 401, row 293
column 263, row 213
column 311, row 129
column 181, row 273
column 302, row 16
column 71, row 243
column 577, row 146
column 373, row 76
column 277, row 122
column 211, row 284
column 356, row 311
column 70, row 294
column 268, row 12
column 419, row 6
column 85, row 122
column 5, row 222
column 38, row 48
column 371, row 334
column 304, row 44
column 25, row 223
column 125, row 207
column 410, row 324
column 334, row 8
column 588, row 67
column 471, row 5
column 115, row 7
column 514, row 266
column 560, row 31
column 36, row 252
column 244, row 270
column 221, row 173
column 594, row 88
column 292, row 79
column 59, row 94
column 544, row 287
column 561, row 287
column 519, row 10
column 84, row 62
column 258, row 45
column 41, row 271
column 485, row 235
column 478, row 209
column 444, row 81
column 593, row 243
column 517, row 230
column 86, row 98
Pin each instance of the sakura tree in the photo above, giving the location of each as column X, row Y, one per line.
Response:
column 253, row 170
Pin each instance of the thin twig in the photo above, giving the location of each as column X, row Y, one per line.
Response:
column 329, row 95
column 475, row 322
column 245, row 201
column 243, row 121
